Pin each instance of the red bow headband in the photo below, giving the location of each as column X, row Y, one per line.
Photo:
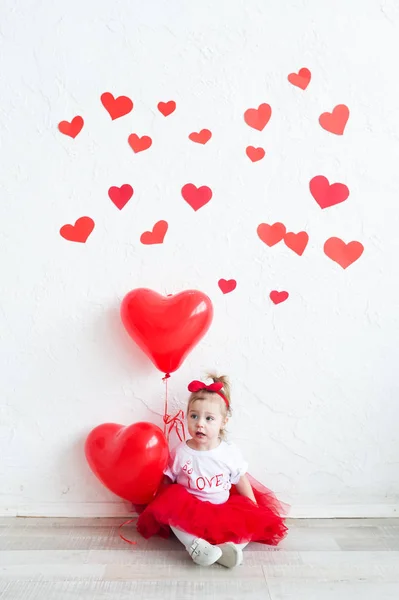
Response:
column 216, row 387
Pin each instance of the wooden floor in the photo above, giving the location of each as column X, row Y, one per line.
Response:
column 48, row 559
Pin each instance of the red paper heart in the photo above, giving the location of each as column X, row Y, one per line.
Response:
column 196, row 197
column 116, row 107
column 341, row 253
column 278, row 297
column 157, row 235
column 120, row 196
column 325, row 194
column 300, row 79
column 167, row 108
column 259, row 117
column 78, row 232
column 130, row 460
column 73, row 128
column 297, row 241
column 166, row 328
column 271, row 234
column 138, row 144
column 336, row 121
column 202, row 137
column 227, row 285
column 255, row 154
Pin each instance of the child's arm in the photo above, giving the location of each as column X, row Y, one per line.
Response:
column 166, row 482
column 244, row 488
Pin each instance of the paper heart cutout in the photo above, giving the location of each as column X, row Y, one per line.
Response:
column 327, row 194
column 120, row 196
column 259, row 117
column 73, row 128
column 335, row 122
column 78, row 232
column 341, row 253
column 271, row 234
column 167, row 108
column 196, row 197
column 296, row 241
column 277, row 297
column 116, row 107
column 157, row 235
column 130, row 460
column 138, row 144
column 300, row 79
column 227, row 285
column 201, row 137
column 255, row 154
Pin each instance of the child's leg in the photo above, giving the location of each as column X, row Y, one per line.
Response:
column 202, row 552
column 185, row 538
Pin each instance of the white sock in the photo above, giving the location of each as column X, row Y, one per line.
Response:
column 185, row 538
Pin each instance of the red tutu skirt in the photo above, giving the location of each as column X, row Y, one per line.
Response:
column 238, row 520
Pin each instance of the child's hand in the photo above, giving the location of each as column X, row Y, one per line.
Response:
column 166, row 482
column 244, row 488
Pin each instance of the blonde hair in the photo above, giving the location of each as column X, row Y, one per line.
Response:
column 226, row 410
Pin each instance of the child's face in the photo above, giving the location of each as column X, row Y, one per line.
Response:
column 205, row 420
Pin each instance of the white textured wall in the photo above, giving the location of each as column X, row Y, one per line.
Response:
column 315, row 386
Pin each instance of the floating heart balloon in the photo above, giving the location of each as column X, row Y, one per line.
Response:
column 166, row 328
column 130, row 460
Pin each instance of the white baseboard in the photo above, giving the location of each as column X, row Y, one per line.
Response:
column 124, row 510
column 345, row 511
column 73, row 509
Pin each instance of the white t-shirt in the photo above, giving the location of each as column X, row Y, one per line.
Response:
column 208, row 474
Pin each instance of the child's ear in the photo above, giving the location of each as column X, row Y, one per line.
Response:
column 225, row 422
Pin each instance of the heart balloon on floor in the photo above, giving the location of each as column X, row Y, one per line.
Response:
column 166, row 328
column 130, row 460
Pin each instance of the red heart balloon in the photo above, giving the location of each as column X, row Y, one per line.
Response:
column 166, row 328
column 130, row 460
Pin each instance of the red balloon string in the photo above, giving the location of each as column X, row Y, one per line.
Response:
column 165, row 410
column 175, row 422
column 122, row 536
column 170, row 422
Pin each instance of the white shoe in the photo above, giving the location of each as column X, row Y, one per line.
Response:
column 203, row 553
column 231, row 555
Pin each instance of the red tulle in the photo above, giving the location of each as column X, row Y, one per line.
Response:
column 237, row 520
